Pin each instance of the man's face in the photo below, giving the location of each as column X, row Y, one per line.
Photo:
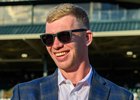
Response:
column 70, row 55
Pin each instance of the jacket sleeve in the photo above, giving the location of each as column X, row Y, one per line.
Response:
column 131, row 97
column 16, row 94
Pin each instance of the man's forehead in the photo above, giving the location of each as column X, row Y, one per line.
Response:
column 65, row 23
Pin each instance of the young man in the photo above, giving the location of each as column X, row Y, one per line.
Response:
column 67, row 38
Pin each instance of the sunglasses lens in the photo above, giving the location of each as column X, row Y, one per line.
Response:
column 64, row 37
column 47, row 39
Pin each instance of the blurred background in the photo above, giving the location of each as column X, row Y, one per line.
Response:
column 114, row 53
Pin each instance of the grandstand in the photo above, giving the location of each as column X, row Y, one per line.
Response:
column 115, row 51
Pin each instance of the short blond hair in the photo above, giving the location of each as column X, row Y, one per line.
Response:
column 68, row 9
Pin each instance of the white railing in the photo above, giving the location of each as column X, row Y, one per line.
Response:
column 37, row 14
column 99, row 15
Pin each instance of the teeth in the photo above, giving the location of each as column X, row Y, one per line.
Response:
column 60, row 54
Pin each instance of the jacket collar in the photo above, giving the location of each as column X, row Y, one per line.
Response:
column 98, row 89
column 49, row 87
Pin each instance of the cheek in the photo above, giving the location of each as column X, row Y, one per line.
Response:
column 81, row 43
column 77, row 49
column 78, row 45
column 81, row 47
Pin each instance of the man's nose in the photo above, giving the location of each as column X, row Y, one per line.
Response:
column 57, row 44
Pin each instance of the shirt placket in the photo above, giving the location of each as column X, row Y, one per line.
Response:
column 73, row 93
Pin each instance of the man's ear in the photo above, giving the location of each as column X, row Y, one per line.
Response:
column 89, row 37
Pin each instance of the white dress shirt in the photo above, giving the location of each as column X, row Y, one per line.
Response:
column 67, row 91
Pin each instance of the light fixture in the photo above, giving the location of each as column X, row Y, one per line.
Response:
column 129, row 53
column 134, row 56
column 24, row 55
column 136, row 71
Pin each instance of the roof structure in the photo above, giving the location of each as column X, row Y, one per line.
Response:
column 107, row 52
column 95, row 27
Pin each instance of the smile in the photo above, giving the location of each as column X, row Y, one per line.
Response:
column 60, row 54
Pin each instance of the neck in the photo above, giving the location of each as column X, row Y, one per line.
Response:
column 76, row 75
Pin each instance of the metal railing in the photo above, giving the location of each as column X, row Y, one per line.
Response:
column 37, row 14
column 100, row 15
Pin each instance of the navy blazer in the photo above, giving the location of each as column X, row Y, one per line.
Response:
column 46, row 88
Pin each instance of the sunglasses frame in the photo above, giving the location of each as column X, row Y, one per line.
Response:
column 56, row 35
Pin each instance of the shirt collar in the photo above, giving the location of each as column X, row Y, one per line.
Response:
column 60, row 77
column 86, row 79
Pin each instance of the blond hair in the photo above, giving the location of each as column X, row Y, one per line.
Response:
column 68, row 9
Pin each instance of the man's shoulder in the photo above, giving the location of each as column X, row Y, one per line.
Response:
column 114, row 87
column 32, row 89
column 117, row 90
column 35, row 83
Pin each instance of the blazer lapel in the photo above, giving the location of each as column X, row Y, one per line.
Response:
column 98, row 90
column 49, row 88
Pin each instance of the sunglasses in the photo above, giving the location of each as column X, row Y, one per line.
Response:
column 63, row 37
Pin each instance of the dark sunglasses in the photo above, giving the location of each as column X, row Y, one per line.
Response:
column 63, row 37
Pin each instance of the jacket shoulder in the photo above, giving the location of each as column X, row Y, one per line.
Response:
column 115, row 92
column 118, row 91
column 30, row 89
column 35, row 82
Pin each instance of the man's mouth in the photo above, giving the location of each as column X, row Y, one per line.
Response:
column 60, row 54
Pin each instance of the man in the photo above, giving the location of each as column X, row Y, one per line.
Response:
column 67, row 38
